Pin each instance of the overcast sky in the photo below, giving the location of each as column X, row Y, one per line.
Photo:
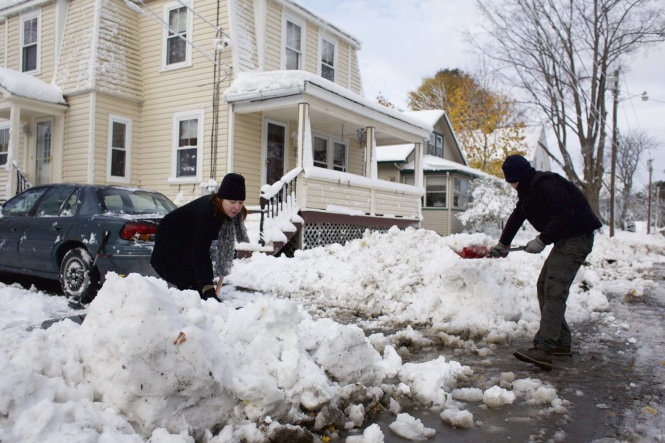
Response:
column 404, row 41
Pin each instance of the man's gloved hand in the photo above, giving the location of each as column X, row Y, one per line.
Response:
column 535, row 246
column 207, row 292
column 499, row 250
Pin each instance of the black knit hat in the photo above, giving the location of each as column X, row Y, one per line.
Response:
column 515, row 167
column 232, row 187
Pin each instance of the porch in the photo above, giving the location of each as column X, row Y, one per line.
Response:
column 319, row 202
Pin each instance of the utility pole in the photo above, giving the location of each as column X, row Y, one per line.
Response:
column 615, row 103
column 650, row 166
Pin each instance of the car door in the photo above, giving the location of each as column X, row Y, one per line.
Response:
column 47, row 228
column 12, row 226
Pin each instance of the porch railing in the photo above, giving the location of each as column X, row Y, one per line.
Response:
column 22, row 182
column 278, row 208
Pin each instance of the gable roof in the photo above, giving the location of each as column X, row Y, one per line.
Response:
column 431, row 117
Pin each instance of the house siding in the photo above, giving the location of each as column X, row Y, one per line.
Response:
column 75, row 64
column 171, row 91
column 244, row 38
column 249, row 137
column 388, row 172
column 76, row 139
column 118, row 51
column 436, row 220
column 12, row 57
column 107, row 106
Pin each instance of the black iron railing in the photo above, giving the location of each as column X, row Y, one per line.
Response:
column 274, row 200
column 22, row 182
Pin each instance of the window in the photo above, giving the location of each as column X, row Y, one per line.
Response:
column 57, row 202
column 119, row 146
column 328, row 60
column 460, row 193
column 435, row 145
column 177, row 50
column 293, row 46
column 188, row 132
column 339, row 156
column 320, row 152
column 327, row 158
column 29, row 42
column 22, row 204
column 435, row 191
column 4, row 145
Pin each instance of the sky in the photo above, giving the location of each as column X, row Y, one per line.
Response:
column 158, row 365
column 408, row 41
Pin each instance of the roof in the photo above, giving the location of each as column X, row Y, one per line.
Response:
column 250, row 86
column 393, row 153
column 25, row 85
column 432, row 163
column 429, row 116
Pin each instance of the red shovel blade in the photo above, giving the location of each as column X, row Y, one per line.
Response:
column 480, row 251
column 474, row 251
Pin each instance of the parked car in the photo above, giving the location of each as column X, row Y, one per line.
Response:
column 76, row 233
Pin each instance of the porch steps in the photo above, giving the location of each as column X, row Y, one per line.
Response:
column 278, row 234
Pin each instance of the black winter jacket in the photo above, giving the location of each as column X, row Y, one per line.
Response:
column 181, row 255
column 553, row 205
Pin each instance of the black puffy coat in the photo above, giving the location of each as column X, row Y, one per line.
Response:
column 181, row 255
column 553, row 205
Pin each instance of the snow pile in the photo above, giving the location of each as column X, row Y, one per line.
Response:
column 155, row 364
column 415, row 277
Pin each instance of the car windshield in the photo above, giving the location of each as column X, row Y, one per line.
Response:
column 126, row 201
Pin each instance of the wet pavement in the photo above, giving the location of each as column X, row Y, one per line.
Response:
column 612, row 386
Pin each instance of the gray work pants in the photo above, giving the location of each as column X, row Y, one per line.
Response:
column 553, row 285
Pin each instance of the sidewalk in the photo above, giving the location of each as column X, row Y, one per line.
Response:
column 614, row 383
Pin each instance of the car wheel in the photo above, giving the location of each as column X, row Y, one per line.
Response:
column 78, row 278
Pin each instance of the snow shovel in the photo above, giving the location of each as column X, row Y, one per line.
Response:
column 480, row 251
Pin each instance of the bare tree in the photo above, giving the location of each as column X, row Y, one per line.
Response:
column 629, row 152
column 562, row 54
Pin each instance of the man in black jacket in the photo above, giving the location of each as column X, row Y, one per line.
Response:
column 561, row 214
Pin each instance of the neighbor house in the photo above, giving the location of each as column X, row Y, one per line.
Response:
column 443, row 167
column 171, row 95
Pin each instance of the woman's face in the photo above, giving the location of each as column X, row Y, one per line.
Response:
column 232, row 207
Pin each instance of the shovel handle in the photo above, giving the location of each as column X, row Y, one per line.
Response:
column 517, row 248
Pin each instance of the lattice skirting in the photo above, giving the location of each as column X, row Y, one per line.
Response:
column 321, row 234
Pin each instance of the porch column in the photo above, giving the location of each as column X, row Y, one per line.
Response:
column 304, row 153
column 14, row 140
column 370, row 153
column 418, row 165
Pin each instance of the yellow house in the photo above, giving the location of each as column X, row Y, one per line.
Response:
column 171, row 95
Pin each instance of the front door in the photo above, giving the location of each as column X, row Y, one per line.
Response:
column 275, row 152
column 43, row 153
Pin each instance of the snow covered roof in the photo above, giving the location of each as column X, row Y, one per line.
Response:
column 323, row 23
column 393, row 153
column 25, row 85
column 276, row 84
column 432, row 163
column 429, row 116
